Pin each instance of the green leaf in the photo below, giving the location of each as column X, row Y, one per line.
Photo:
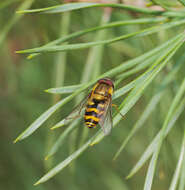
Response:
column 64, row 89
column 182, row 176
column 174, row 14
column 77, row 6
column 138, row 68
column 81, row 45
column 182, row 2
column 11, row 22
column 151, row 105
column 61, row 139
column 104, row 26
column 140, row 123
column 153, row 162
column 175, row 103
column 162, row 4
column 150, row 149
column 117, row 93
column 176, row 175
column 40, row 120
column 64, row 163
column 150, row 173
column 56, row 48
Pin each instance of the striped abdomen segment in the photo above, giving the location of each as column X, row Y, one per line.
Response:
column 93, row 112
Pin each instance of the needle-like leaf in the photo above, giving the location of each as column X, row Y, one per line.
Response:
column 64, row 89
column 153, row 162
column 150, row 149
column 61, row 139
column 64, row 163
column 104, row 26
column 13, row 21
column 77, row 6
column 176, row 175
column 151, row 106
column 56, row 48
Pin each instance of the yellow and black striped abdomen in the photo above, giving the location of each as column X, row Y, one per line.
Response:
column 93, row 112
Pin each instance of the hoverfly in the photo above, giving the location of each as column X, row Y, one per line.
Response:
column 98, row 106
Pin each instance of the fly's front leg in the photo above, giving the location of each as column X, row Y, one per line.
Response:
column 117, row 109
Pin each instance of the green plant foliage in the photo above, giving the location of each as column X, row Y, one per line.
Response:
column 147, row 31
column 76, row 6
column 14, row 19
column 179, row 166
column 182, row 1
column 69, row 46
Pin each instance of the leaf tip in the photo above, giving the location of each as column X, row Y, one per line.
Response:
column 96, row 141
column 57, row 126
column 29, row 57
column 46, row 158
column 54, row 127
column 19, row 12
column 16, row 140
column 93, row 143
column 114, row 158
column 149, row 4
column 37, row 183
column 18, row 51
column 128, row 176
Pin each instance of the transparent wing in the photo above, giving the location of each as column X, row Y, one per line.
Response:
column 77, row 110
column 106, row 119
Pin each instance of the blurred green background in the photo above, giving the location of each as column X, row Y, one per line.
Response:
column 22, row 100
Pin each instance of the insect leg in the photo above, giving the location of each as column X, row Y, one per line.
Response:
column 117, row 109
